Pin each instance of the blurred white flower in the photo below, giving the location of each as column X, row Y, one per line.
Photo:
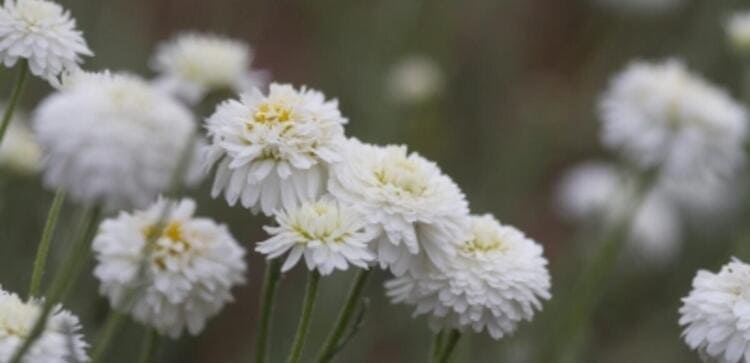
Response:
column 43, row 33
column 19, row 151
column 642, row 7
column 60, row 336
column 738, row 30
column 716, row 313
column 172, row 278
column 661, row 116
column 497, row 279
column 415, row 79
column 274, row 150
column 598, row 192
column 193, row 64
column 329, row 235
column 112, row 139
column 420, row 213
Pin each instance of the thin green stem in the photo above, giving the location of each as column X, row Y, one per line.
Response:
column 437, row 345
column 110, row 329
column 15, row 96
column 304, row 321
column 331, row 345
column 75, row 256
column 150, row 343
column 44, row 244
column 268, row 296
column 450, row 344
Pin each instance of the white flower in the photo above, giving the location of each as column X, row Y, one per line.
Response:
column 329, row 235
column 112, row 139
column 738, row 30
column 193, row 64
column 661, row 116
column 19, row 151
column 172, row 278
column 420, row 213
column 43, row 33
column 415, row 79
column 497, row 279
column 60, row 342
column 274, row 150
column 716, row 313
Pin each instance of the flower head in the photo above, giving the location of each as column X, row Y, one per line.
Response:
column 112, row 139
column 60, row 342
column 192, row 64
column 329, row 235
column 43, row 33
column 661, row 116
column 716, row 313
column 172, row 275
column 274, row 150
column 497, row 279
column 420, row 212
column 19, row 151
column 738, row 31
column 415, row 79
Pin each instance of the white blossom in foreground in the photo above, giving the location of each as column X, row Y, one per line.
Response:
column 329, row 235
column 415, row 79
column 19, row 151
column 420, row 213
column 661, row 116
column 716, row 313
column 497, row 279
column 738, row 30
column 112, row 139
column 43, row 33
column 60, row 342
column 172, row 278
column 274, row 150
column 193, row 64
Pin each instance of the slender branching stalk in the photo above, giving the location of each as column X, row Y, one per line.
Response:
column 111, row 326
column 15, row 97
column 304, row 321
column 437, row 345
column 268, row 296
column 150, row 345
column 450, row 344
column 40, row 261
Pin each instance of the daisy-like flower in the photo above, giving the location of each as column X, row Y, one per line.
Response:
column 60, row 342
column 738, row 31
column 497, row 279
column 661, row 116
column 419, row 212
column 43, row 33
column 174, row 277
column 19, row 151
column 112, row 139
column 192, row 64
column 716, row 313
column 329, row 235
column 274, row 150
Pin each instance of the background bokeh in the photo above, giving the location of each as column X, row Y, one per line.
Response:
column 520, row 84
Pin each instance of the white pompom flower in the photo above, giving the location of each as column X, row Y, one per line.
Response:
column 716, row 313
column 329, row 235
column 43, row 33
column 274, row 150
column 193, row 64
column 60, row 342
column 19, row 151
column 172, row 278
column 112, row 139
column 497, row 279
column 738, row 31
column 419, row 212
column 659, row 115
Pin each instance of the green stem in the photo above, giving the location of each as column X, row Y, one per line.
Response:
column 150, row 342
column 44, row 244
column 437, row 345
column 449, row 345
column 67, row 272
column 111, row 326
column 15, row 96
column 331, row 344
column 268, row 295
column 304, row 322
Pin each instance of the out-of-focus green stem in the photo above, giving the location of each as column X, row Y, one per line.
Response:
column 449, row 345
column 308, row 304
column 15, row 96
column 150, row 342
column 437, row 346
column 111, row 326
column 40, row 261
column 268, row 296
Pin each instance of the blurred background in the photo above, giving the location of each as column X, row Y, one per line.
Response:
column 502, row 94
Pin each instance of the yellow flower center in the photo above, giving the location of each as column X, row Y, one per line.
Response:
column 276, row 112
column 484, row 244
column 175, row 245
column 403, row 174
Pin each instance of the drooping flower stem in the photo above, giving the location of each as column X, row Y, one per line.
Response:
column 332, row 343
column 67, row 273
column 450, row 344
column 437, row 346
column 308, row 304
column 268, row 296
column 150, row 343
column 111, row 326
column 15, row 96
column 40, row 261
